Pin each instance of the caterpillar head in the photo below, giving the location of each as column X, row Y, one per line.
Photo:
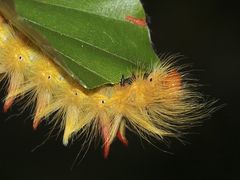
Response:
column 169, row 81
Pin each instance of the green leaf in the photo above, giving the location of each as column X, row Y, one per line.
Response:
column 96, row 44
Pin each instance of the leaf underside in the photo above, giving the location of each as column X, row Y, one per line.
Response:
column 95, row 43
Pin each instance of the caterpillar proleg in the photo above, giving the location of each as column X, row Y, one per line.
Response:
column 159, row 102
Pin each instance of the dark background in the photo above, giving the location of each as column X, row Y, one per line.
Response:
column 207, row 33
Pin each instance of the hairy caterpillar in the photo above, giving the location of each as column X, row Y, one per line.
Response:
column 159, row 102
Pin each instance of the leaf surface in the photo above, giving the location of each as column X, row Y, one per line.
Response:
column 95, row 42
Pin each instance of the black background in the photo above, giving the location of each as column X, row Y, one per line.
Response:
column 207, row 33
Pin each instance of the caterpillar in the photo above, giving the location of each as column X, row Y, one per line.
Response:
column 158, row 101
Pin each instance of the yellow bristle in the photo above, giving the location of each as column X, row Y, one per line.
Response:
column 6, row 33
column 122, row 132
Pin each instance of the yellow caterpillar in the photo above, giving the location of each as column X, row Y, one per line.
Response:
column 160, row 102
